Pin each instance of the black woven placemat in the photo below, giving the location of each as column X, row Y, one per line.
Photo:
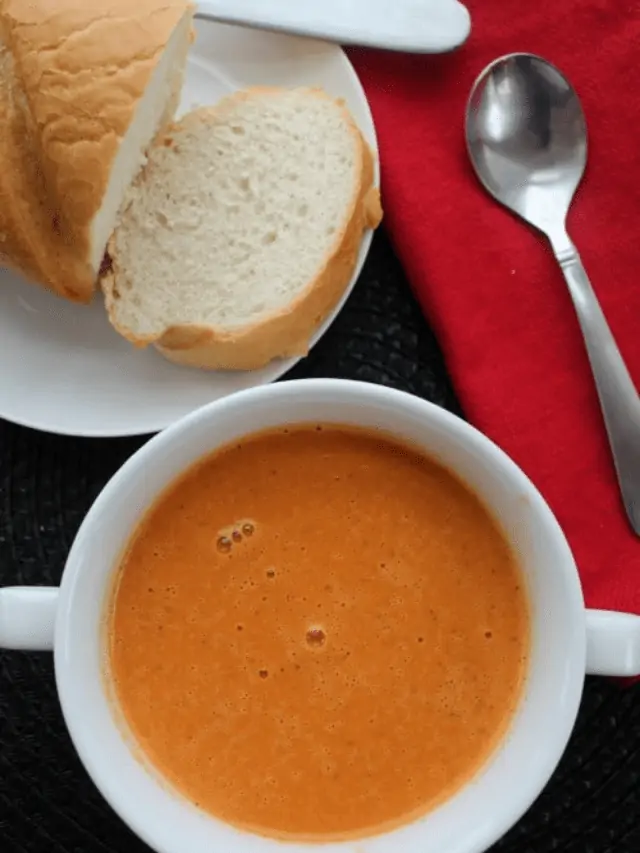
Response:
column 47, row 483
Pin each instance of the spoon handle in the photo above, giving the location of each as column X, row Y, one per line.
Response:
column 618, row 396
column 414, row 26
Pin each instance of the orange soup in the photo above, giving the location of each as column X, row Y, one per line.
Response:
column 318, row 633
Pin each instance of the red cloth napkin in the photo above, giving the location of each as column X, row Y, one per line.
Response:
column 490, row 286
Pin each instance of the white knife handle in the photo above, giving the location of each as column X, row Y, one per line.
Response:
column 411, row 26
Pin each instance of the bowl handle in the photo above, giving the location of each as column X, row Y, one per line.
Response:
column 613, row 643
column 27, row 617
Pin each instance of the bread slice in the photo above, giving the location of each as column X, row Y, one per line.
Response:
column 89, row 85
column 243, row 231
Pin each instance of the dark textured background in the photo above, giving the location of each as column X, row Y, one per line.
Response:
column 47, row 483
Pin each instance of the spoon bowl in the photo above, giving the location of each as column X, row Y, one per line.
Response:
column 527, row 137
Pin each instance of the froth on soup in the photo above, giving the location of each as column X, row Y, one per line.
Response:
column 318, row 633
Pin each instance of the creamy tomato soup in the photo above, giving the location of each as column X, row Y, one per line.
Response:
column 319, row 633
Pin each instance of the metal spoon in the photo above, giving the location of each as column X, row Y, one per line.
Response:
column 527, row 139
column 415, row 26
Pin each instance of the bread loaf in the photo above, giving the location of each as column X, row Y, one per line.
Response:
column 84, row 89
column 243, row 231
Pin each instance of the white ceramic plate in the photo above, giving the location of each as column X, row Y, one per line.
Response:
column 63, row 369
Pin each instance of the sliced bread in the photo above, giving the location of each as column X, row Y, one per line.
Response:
column 243, row 230
column 85, row 88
